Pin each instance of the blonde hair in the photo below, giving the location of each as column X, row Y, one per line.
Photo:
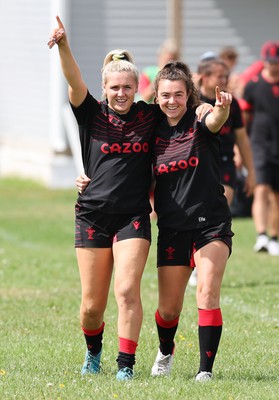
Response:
column 169, row 46
column 118, row 60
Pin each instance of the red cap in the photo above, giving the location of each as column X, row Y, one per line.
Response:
column 270, row 51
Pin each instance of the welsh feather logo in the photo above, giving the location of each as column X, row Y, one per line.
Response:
column 90, row 233
column 136, row 224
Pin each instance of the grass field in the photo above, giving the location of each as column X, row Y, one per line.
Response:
column 41, row 344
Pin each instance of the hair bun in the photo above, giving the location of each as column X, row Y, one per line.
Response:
column 118, row 57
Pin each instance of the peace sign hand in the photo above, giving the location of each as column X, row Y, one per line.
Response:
column 58, row 34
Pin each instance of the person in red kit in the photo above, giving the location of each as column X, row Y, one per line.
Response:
column 168, row 51
column 234, row 139
column 194, row 219
column 113, row 229
column 214, row 73
column 260, row 104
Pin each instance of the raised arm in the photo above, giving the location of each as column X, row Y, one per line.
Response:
column 216, row 119
column 76, row 86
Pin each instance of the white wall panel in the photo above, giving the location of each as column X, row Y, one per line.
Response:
column 96, row 27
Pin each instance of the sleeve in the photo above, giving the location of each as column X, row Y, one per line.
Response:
column 88, row 106
column 246, row 103
column 200, row 125
column 84, row 114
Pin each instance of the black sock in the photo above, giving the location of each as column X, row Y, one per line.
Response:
column 125, row 360
column 166, row 336
column 94, row 342
column 166, row 332
column 209, row 338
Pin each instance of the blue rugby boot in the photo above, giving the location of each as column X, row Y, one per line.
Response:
column 92, row 363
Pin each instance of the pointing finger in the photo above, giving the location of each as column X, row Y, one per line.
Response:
column 217, row 93
column 61, row 26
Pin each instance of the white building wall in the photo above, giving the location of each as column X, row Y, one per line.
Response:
column 245, row 24
column 24, row 69
column 31, row 140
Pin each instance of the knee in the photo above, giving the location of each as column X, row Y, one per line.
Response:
column 127, row 295
column 261, row 191
column 169, row 310
column 91, row 310
column 208, row 297
column 169, row 314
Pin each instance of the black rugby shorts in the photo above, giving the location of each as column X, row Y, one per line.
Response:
column 268, row 174
column 95, row 229
column 178, row 247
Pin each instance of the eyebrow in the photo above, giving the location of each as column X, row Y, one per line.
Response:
column 178, row 92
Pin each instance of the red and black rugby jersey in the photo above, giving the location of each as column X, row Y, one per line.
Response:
column 261, row 98
column 186, row 164
column 116, row 153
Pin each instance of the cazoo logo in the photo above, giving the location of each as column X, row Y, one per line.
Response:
column 125, row 147
column 174, row 166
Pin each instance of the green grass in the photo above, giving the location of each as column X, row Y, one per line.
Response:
column 41, row 344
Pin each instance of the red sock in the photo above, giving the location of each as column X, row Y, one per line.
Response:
column 94, row 331
column 163, row 323
column 127, row 346
column 126, row 355
column 210, row 317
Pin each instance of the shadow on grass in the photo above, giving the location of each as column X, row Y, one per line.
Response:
column 241, row 376
column 251, row 284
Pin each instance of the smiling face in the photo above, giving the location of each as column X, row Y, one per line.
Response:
column 172, row 97
column 120, row 89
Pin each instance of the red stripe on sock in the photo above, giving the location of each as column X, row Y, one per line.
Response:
column 210, row 317
column 163, row 323
column 94, row 332
column 127, row 346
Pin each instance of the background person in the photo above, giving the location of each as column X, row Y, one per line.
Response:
column 230, row 56
column 260, row 104
column 254, row 69
column 216, row 73
column 234, row 139
column 168, row 51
